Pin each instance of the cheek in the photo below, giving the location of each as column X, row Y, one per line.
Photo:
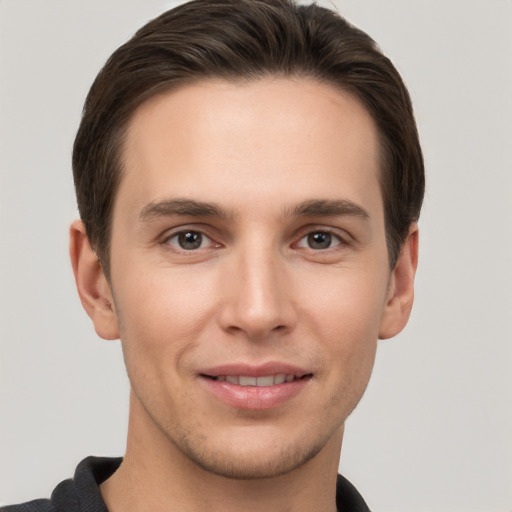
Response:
column 349, row 305
column 160, row 314
column 351, row 348
column 346, row 317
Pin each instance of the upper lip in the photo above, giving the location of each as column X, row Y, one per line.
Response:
column 251, row 370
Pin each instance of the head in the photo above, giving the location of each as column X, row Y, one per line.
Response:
column 245, row 40
column 249, row 176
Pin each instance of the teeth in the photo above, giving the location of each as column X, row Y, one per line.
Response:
column 279, row 379
column 266, row 380
column 247, row 381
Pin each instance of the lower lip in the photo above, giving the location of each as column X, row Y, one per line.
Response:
column 255, row 397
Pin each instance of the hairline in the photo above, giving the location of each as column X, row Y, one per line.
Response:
column 119, row 146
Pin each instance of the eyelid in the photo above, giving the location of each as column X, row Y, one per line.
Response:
column 194, row 228
column 343, row 236
column 204, row 240
column 334, row 238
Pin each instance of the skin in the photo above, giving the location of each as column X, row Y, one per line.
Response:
column 259, row 288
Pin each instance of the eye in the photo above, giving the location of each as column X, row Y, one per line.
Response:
column 189, row 240
column 319, row 240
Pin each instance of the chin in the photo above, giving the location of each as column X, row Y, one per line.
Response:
column 248, row 458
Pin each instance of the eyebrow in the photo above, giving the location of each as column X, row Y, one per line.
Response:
column 192, row 208
column 184, row 207
column 326, row 207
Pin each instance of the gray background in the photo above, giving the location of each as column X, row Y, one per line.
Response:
column 434, row 431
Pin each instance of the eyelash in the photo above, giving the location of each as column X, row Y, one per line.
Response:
column 333, row 236
column 183, row 232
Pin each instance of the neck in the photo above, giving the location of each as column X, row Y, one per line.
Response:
column 156, row 476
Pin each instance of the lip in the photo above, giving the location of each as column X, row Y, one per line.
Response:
column 269, row 368
column 255, row 397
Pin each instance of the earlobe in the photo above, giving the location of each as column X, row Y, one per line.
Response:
column 401, row 288
column 91, row 283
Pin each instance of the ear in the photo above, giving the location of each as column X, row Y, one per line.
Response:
column 401, row 288
column 91, row 283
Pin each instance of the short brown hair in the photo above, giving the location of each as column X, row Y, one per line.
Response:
column 245, row 39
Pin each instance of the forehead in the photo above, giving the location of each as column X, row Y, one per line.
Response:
column 297, row 136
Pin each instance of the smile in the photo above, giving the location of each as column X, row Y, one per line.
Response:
column 255, row 387
column 263, row 381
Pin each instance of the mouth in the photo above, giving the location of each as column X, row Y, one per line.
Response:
column 260, row 381
column 259, row 387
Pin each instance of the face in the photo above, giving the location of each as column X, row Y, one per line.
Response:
column 249, row 270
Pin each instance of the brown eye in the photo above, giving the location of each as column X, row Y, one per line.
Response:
column 319, row 240
column 189, row 240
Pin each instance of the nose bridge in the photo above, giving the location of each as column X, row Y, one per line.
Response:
column 259, row 301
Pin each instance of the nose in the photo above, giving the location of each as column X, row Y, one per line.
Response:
column 258, row 299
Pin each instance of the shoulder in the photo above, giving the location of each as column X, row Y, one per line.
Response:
column 78, row 494
column 63, row 498
column 348, row 497
column 30, row 506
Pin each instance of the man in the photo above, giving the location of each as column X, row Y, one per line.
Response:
column 249, row 177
